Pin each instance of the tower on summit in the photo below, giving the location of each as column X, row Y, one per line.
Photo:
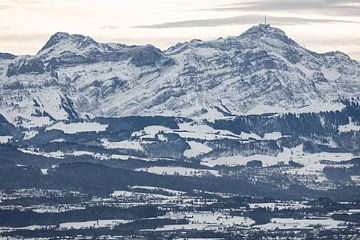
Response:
column 265, row 21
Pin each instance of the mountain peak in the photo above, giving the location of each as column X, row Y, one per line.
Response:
column 55, row 39
column 60, row 37
column 266, row 31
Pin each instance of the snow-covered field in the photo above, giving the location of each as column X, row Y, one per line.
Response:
column 295, row 154
column 152, row 132
column 199, row 130
column 349, row 127
column 280, row 205
column 356, row 180
column 38, row 152
column 133, row 195
column 96, row 155
column 5, row 139
column 311, row 223
column 151, row 188
column 181, row 171
column 30, row 134
column 196, row 149
column 72, row 128
column 92, row 224
column 122, row 145
column 207, row 221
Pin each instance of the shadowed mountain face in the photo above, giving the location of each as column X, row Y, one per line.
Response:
column 260, row 71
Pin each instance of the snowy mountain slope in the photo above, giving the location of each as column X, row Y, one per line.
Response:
column 260, row 71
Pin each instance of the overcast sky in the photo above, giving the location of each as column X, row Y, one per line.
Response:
column 320, row 25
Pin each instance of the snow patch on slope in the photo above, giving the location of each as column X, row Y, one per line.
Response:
column 196, row 149
column 5, row 139
column 126, row 144
column 72, row 128
column 351, row 126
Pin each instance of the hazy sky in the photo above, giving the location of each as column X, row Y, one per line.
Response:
column 320, row 25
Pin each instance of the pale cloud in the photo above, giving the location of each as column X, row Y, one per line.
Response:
column 325, row 7
column 244, row 19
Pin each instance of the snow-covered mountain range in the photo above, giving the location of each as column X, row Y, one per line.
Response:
column 259, row 71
